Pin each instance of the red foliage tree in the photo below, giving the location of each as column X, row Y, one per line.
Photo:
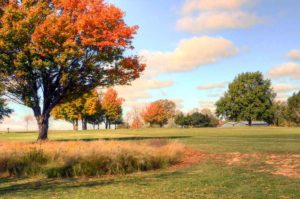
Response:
column 54, row 50
column 112, row 106
column 159, row 112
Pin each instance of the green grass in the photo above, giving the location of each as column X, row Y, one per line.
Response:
column 211, row 178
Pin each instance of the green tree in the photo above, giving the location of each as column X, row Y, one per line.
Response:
column 249, row 98
column 200, row 120
column 182, row 120
column 293, row 109
column 51, row 51
column 4, row 110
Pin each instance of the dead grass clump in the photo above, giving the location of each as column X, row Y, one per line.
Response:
column 72, row 159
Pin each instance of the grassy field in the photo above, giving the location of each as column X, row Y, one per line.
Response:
column 238, row 163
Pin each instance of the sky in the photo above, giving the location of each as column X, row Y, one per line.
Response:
column 194, row 48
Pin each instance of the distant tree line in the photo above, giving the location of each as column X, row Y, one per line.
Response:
column 249, row 98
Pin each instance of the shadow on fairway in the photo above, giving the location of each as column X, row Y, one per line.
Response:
column 123, row 139
column 47, row 185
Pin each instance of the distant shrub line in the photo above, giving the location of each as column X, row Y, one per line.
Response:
column 42, row 162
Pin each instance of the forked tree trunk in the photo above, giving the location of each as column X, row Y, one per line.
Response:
column 43, row 124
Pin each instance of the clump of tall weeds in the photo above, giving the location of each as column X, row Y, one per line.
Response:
column 74, row 159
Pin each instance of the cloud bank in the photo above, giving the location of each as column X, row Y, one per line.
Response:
column 202, row 16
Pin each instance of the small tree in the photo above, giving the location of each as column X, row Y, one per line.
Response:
column 134, row 118
column 112, row 106
column 28, row 118
column 200, row 120
column 279, row 113
column 182, row 120
column 159, row 112
column 293, row 108
column 249, row 98
column 53, row 50
column 86, row 108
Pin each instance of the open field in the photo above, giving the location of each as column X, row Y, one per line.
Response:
column 236, row 163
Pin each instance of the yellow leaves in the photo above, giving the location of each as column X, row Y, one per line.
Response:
column 87, row 105
column 112, row 104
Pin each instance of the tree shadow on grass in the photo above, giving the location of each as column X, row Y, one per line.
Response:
column 49, row 186
column 123, row 139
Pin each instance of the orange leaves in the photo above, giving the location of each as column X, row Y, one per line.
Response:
column 159, row 112
column 112, row 104
column 86, row 23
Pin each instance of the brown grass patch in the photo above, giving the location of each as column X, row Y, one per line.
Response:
column 70, row 159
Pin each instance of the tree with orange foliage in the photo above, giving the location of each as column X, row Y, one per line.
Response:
column 112, row 106
column 53, row 50
column 159, row 112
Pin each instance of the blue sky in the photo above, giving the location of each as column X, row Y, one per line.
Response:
column 215, row 41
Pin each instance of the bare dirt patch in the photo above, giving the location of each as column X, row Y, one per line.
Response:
column 189, row 158
column 277, row 164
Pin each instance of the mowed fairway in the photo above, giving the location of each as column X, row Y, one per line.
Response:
column 237, row 163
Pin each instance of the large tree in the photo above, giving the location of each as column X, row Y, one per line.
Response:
column 294, row 108
column 249, row 98
column 53, row 50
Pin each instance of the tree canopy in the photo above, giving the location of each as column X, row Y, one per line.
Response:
column 249, row 98
column 53, row 50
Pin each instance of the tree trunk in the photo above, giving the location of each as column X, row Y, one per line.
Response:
column 75, row 125
column 84, row 124
column 43, row 124
column 250, row 122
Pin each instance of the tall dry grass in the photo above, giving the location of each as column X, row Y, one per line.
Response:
column 70, row 159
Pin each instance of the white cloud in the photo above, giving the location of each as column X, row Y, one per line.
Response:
column 284, row 88
column 290, row 70
column 206, row 104
column 294, row 55
column 190, row 54
column 194, row 5
column 212, row 86
column 200, row 16
column 139, row 89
